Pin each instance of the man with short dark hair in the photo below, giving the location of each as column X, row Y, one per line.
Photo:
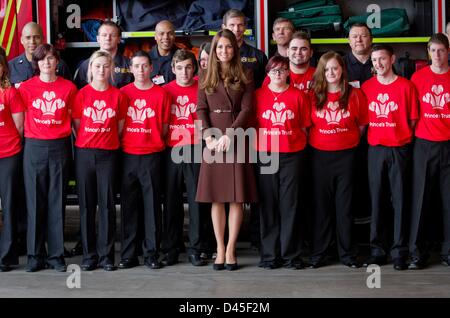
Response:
column 299, row 52
column 393, row 111
column 431, row 154
column 143, row 144
column 184, row 141
column 109, row 39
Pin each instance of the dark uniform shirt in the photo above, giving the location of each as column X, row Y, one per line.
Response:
column 20, row 69
column 122, row 75
column 256, row 60
column 357, row 71
column 162, row 68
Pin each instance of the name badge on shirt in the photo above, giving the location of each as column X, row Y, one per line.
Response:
column 355, row 84
column 158, row 80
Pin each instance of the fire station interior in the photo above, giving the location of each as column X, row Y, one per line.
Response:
column 183, row 280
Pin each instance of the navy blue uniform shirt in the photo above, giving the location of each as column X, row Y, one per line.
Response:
column 254, row 59
column 162, row 68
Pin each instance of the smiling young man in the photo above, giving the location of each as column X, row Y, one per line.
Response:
column 299, row 52
column 393, row 111
column 182, row 140
column 431, row 164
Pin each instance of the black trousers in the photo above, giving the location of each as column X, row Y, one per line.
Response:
column 95, row 171
column 180, row 176
column 9, row 186
column 141, row 193
column 361, row 198
column 21, row 209
column 279, row 208
column 389, row 171
column 333, row 174
column 45, row 167
column 431, row 176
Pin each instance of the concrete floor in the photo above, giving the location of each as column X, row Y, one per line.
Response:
column 184, row 280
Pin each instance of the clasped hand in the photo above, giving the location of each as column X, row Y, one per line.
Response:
column 221, row 145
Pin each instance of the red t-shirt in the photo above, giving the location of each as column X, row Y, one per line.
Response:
column 182, row 115
column 300, row 81
column 434, row 97
column 48, row 107
column 335, row 129
column 391, row 107
column 10, row 103
column 99, row 113
column 148, row 111
column 281, row 121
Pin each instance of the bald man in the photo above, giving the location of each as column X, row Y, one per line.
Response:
column 162, row 53
column 108, row 38
column 20, row 67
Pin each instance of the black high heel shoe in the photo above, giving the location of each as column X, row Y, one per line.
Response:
column 231, row 267
column 218, row 267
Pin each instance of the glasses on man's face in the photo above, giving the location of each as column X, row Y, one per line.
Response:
column 280, row 71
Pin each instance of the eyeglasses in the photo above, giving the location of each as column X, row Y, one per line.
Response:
column 280, row 71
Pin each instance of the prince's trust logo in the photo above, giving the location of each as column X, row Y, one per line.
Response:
column 332, row 113
column 437, row 98
column 139, row 113
column 183, row 109
column 99, row 113
column 49, row 104
column 279, row 115
column 382, row 108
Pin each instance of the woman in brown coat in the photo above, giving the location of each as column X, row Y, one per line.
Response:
column 225, row 103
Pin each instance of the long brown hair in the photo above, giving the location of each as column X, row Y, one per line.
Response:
column 234, row 77
column 320, row 84
column 4, row 79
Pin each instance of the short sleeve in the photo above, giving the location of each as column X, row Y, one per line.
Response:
column 16, row 104
column 77, row 106
column 123, row 105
